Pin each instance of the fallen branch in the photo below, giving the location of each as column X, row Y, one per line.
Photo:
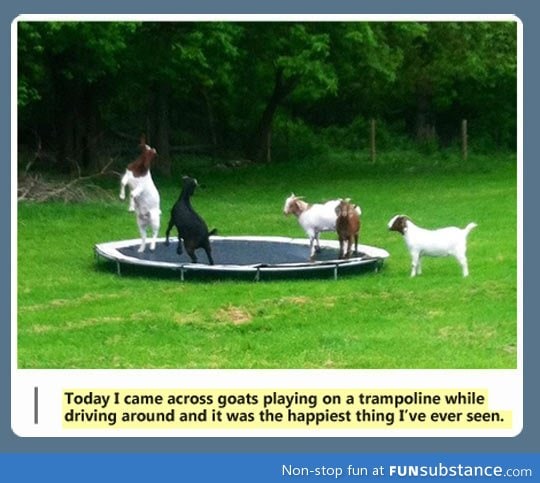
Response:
column 35, row 188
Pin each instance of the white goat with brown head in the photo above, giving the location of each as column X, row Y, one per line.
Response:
column 443, row 242
column 144, row 196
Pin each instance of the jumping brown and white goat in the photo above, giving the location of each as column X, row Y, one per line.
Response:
column 347, row 227
column 144, row 196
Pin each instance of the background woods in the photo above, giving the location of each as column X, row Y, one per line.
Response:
column 259, row 91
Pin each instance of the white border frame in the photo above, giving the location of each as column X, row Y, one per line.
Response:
column 505, row 386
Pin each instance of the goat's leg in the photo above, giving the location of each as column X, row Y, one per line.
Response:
column 179, row 246
column 312, row 248
column 208, row 251
column 123, row 183
column 349, row 246
column 317, row 243
column 142, row 231
column 190, row 250
column 462, row 259
column 122, row 195
column 341, row 248
column 415, row 256
column 169, row 228
column 154, row 223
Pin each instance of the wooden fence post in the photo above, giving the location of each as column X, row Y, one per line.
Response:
column 464, row 140
column 372, row 141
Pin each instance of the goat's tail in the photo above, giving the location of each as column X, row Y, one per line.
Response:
column 213, row 232
column 469, row 227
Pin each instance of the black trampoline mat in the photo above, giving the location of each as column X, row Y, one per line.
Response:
column 234, row 252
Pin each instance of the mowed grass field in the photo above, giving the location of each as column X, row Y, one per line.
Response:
column 76, row 313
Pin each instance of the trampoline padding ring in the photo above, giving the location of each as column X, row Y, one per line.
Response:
column 255, row 255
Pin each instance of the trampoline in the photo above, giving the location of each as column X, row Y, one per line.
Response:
column 254, row 257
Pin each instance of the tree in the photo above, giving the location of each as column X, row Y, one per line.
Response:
column 281, row 59
column 441, row 66
column 65, row 80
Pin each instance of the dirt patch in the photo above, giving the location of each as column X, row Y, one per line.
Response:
column 234, row 315
column 69, row 326
column 296, row 300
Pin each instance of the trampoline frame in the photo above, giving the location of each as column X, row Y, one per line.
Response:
column 375, row 256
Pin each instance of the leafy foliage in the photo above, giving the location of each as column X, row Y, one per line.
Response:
column 85, row 88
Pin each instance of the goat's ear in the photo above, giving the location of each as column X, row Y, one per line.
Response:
column 338, row 210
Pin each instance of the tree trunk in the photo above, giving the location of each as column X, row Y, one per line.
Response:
column 162, row 139
column 259, row 150
column 211, row 117
column 425, row 126
column 78, row 119
column 65, row 118
column 91, row 132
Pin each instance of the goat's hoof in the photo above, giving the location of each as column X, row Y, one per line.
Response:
column 140, row 250
column 317, row 249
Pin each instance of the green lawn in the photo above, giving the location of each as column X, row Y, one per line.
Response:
column 75, row 313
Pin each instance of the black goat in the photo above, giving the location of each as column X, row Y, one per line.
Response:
column 191, row 227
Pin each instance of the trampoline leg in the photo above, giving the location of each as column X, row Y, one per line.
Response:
column 118, row 271
column 336, row 272
column 258, row 275
column 182, row 274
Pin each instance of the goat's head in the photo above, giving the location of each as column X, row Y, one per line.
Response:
column 294, row 205
column 141, row 165
column 398, row 223
column 189, row 185
column 345, row 208
column 146, row 151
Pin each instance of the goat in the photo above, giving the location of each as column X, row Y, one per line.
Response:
column 347, row 227
column 314, row 218
column 192, row 229
column 435, row 243
column 135, row 172
column 144, row 196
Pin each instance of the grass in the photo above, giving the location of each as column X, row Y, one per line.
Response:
column 74, row 313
